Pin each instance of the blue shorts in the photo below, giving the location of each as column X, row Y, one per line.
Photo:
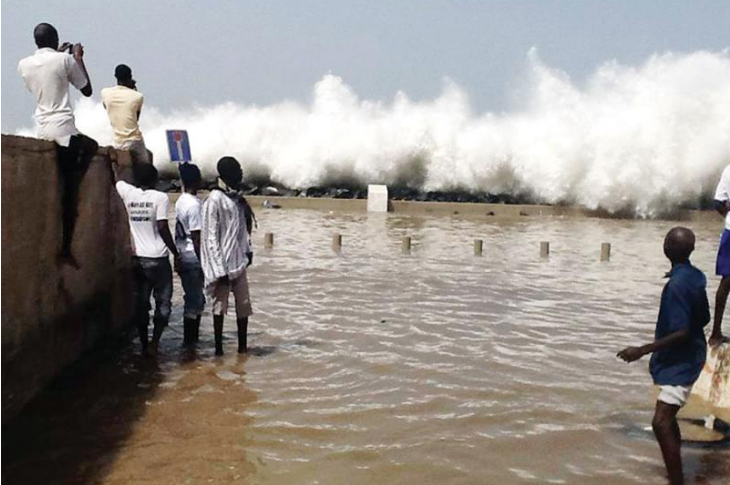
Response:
column 722, row 267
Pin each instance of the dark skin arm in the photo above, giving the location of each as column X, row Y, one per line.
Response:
column 630, row 354
column 722, row 207
column 195, row 235
column 166, row 236
column 78, row 53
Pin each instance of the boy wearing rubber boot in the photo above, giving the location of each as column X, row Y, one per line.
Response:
column 679, row 349
column 226, row 251
column 187, row 238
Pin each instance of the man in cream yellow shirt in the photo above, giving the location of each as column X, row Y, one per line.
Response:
column 123, row 104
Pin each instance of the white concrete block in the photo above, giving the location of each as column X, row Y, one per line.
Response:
column 377, row 198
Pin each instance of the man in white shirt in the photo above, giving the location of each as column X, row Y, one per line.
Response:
column 123, row 104
column 187, row 239
column 152, row 243
column 226, row 251
column 722, row 266
column 47, row 75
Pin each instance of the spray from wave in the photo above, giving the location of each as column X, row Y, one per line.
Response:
column 644, row 139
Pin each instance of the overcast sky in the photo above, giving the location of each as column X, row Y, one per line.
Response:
column 187, row 53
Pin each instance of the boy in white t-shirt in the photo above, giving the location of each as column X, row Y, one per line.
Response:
column 152, row 243
column 187, row 238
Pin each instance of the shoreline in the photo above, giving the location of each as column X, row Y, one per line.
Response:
column 486, row 210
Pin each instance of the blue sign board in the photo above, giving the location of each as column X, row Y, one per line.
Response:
column 179, row 146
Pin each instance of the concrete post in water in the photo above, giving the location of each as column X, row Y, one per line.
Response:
column 269, row 240
column 544, row 249
column 337, row 242
column 605, row 251
column 406, row 244
column 478, row 246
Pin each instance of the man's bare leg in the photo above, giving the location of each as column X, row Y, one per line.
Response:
column 242, row 324
column 218, row 333
column 666, row 430
column 720, row 301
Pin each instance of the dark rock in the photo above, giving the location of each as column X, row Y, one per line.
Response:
column 269, row 191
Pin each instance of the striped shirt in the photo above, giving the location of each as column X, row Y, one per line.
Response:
column 224, row 238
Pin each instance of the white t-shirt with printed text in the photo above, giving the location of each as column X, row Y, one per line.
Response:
column 145, row 208
column 188, row 214
column 722, row 193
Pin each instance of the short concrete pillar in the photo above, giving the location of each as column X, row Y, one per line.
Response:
column 544, row 249
column 377, row 198
column 337, row 242
column 478, row 246
column 406, row 244
column 606, row 252
column 269, row 240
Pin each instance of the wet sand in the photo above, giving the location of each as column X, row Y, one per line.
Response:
column 374, row 366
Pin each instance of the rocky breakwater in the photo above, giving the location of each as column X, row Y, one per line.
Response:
column 53, row 312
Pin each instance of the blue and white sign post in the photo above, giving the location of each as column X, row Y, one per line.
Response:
column 179, row 146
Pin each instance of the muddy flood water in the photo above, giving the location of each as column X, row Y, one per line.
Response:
column 372, row 366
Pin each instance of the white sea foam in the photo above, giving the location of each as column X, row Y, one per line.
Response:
column 643, row 138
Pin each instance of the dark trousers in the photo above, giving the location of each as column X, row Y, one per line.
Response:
column 152, row 277
column 73, row 162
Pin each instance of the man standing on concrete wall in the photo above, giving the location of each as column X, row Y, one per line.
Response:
column 722, row 267
column 47, row 74
column 123, row 104
column 152, row 243
column 226, row 251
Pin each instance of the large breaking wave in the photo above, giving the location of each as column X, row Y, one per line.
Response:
column 645, row 138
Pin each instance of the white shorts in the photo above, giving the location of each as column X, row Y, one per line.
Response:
column 674, row 395
column 239, row 287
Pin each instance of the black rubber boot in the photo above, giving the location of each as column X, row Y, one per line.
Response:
column 189, row 331
column 143, row 337
column 196, row 329
column 218, row 333
column 242, row 324
column 157, row 330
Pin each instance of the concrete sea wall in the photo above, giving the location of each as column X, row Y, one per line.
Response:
column 51, row 312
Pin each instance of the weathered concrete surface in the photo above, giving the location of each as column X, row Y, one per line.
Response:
column 51, row 313
column 713, row 384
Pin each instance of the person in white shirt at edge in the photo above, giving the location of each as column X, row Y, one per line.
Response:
column 226, row 251
column 47, row 75
column 722, row 266
column 187, row 239
column 123, row 104
column 152, row 243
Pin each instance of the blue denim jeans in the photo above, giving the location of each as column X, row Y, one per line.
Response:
column 191, row 276
column 152, row 277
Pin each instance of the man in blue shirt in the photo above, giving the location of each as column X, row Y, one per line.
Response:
column 679, row 348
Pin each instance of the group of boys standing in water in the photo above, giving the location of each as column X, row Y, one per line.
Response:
column 211, row 248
